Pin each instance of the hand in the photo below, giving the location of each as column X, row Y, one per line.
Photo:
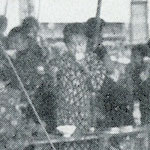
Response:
column 144, row 75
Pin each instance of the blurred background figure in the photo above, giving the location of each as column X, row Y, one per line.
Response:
column 134, row 69
column 31, row 27
column 35, row 76
column 144, row 92
column 91, row 25
column 137, row 79
column 112, row 99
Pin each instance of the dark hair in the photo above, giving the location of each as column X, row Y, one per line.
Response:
column 30, row 22
column 73, row 29
column 101, row 52
column 3, row 22
column 15, row 31
column 140, row 49
column 91, row 26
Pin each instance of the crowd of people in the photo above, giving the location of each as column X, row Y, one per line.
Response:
column 79, row 86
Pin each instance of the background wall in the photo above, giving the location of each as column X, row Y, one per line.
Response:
column 70, row 10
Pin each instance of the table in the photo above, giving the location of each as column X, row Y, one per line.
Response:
column 138, row 139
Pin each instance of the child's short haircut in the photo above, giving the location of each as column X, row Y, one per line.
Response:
column 30, row 22
column 16, row 31
column 73, row 29
column 91, row 26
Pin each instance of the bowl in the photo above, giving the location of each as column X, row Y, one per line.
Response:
column 114, row 130
column 66, row 130
column 127, row 129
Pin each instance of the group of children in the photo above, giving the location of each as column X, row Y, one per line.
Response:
column 76, row 87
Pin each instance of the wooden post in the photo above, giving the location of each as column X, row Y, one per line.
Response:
column 38, row 13
column 98, row 8
column 23, row 13
column 30, row 7
column 97, row 34
column 6, row 7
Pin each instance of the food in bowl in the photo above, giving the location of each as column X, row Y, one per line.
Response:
column 66, row 130
column 114, row 130
column 127, row 129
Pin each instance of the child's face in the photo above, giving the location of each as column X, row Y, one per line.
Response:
column 78, row 44
column 33, row 32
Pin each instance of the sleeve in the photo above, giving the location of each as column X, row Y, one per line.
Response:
column 97, row 72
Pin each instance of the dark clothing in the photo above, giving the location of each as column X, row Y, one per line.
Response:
column 114, row 99
column 45, row 104
column 4, row 42
column 144, row 98
column 39, row 86
column 26, row 65
column 34, row 46
column 133, row 80
column 4, row 67
column 39, row 49
column 139, row 91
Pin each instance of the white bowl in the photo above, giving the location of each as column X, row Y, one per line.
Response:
column 115, row 130
column 66, row 130
column 127, row 129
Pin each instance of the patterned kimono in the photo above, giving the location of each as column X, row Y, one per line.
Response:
column 97, row 75
column 77, row 84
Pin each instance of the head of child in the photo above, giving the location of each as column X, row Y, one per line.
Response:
column 30, row 26
column 92, row 25
column 17, row 40
column 75, row 38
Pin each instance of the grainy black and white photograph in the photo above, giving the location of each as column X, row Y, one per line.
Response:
column 74, row 75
